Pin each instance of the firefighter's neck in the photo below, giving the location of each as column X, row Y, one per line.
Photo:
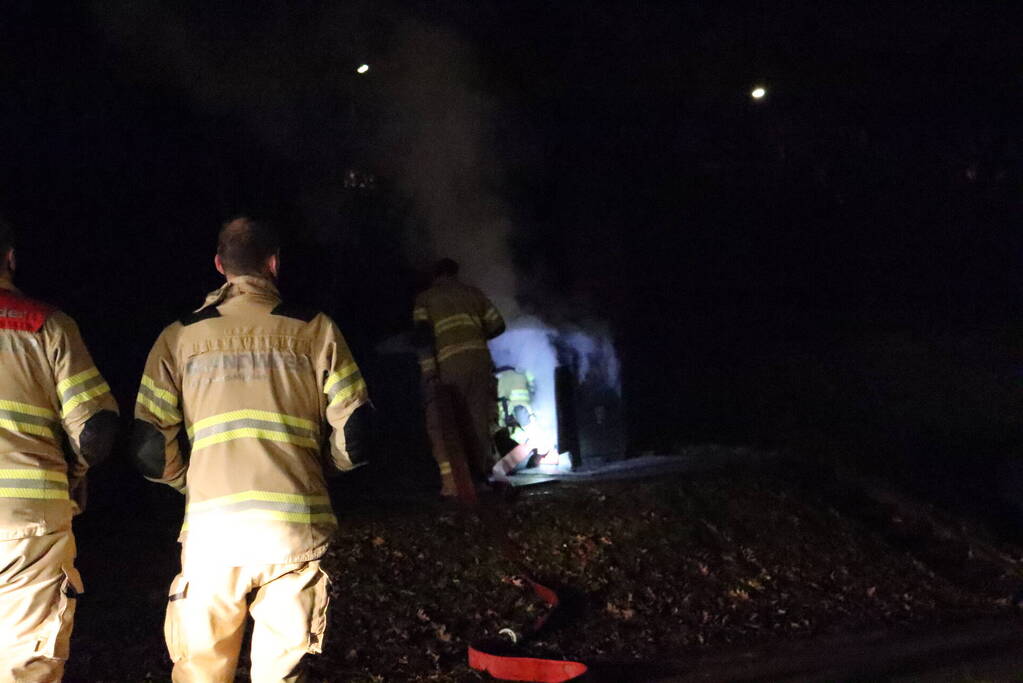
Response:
column 268, row 272
column 266, row 275
column 7, row 266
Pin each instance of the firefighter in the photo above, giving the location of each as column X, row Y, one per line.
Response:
column 49, row 389
column 458, row 320
column 515, row 391
column 250, row 380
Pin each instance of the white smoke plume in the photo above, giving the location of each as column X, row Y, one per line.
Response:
column 449, row 166
column 438, row 144
column 430, row 122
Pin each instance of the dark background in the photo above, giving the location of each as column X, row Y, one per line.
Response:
column 833, row 269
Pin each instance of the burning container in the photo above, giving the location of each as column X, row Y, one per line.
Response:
column 572, row 414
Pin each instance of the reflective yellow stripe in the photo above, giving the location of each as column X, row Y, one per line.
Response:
column 265, row 505
column 28, row 409
column 42, row 494
column 167, row 396
column 155, row 409
column 453, row 321
column 41, row 475
column 348, row 392
column 427, row 364
column 281, row 516
column 420, row 314
column 84, row 396
column 26, row 428
column 454, row 349
column 254, row 433
column 248, row 414
column 75, row 380
column 492, row 314
column 335, row 377
column 299, row 517
column 268, row 496
column 445, row 468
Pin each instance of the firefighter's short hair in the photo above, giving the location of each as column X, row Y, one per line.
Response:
column 6, row 236
column 447, row 267
column 245, row 244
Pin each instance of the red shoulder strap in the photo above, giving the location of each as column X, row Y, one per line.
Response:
column 21, row 313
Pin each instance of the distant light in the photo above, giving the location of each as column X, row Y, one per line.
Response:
column 362, row 69
column 758, row 93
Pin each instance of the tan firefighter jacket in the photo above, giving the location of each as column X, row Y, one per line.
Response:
column 49, row 387
column 515, row 387
column 251, row 382
column 461, row 319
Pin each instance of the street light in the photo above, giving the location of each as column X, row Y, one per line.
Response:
column 758, row 93
column 362, row 69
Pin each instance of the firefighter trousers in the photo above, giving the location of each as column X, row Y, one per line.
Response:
column 470, row 379
column 39, row 587
column 206, row 612
column 443, row 435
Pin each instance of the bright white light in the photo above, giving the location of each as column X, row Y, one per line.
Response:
column 758, row 93
column 362, row 69
column 527, row 345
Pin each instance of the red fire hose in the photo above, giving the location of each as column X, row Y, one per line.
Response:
column 500, row 662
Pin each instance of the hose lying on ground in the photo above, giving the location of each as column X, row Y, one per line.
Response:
column 499, row 660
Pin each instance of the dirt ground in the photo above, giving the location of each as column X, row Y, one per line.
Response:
column 676, row 568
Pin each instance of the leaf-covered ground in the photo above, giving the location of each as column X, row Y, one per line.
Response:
column 649, row 568
column 674, row 567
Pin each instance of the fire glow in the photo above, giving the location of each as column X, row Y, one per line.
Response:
column 530, row 345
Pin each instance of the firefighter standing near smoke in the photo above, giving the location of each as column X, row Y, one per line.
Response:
column 251, row 380
column 48, row 385
column 454, row 322
column 515, row 394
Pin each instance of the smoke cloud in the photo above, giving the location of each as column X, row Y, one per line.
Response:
column 438, row 144
column 421, row 118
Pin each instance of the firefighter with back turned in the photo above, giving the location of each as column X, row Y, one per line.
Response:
column 453, row 323
column 254, row 383
column 49, row 389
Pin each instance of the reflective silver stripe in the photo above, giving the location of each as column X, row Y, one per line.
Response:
column 454, row 322
column 344, row 383
column 32, row 484
column 25, row 417
column 250, row 423
column 169, row 410
column 243, row 505
column 455, row 349
column 80, row 387
column 168, row 396
column 29, row 424
column 296, row 508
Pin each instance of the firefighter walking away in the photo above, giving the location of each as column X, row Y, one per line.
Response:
column 49, row 389
column 250, row 380
column 453, row 323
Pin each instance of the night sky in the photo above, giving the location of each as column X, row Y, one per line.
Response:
column 850, row 241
